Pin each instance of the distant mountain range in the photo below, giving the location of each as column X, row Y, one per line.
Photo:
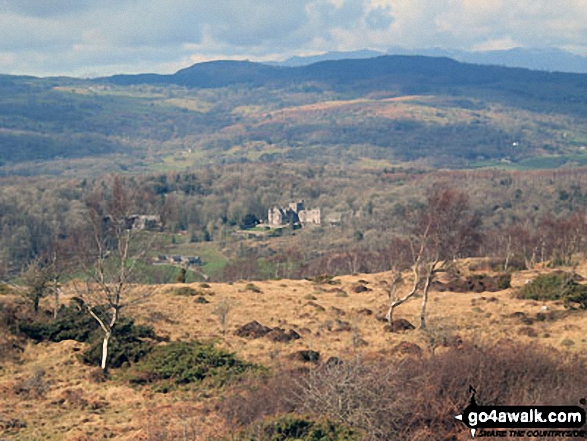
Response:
column 546, row 59
column 329, row 56
column 406, row 74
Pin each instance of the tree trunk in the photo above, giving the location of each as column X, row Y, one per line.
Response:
column 508, row 254
column 56, row 298
column 425, row 292
column 389, row 314
column 395, row 303
column 105, row 350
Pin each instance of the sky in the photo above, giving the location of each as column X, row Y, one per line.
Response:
column 88, row 38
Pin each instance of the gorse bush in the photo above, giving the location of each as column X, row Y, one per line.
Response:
column 180, row 363
column 186, row 291
column 73, row 323
column 129, row 343
column 6, row 289
column 252, row 287
column 556, row 286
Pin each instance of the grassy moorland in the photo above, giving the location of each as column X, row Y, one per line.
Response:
column 49, row 393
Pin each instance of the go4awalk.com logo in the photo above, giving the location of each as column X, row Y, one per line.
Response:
column 523, row 421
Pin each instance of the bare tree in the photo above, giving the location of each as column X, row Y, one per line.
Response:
column 439, row 232
column 110, row 257
column 446, row 229
column 221, row 311
column 402, row 257
column 36, row 278
column 397, row 281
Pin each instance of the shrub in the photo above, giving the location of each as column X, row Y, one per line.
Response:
column 33, row 386
column 129, row 344
column 252, row 287
column 6, row 289
column 299, row 428
column 186, row 291
column 556, row 286
column 415, row 398
column 180, row 363
column 504, row 281
column 325, row 279
column 73, row 324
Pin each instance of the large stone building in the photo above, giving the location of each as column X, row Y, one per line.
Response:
column 293, row 214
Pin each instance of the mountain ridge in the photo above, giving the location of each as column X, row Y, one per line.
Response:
column 544, row 59
column 228, row 72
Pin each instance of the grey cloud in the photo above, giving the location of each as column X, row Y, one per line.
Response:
column 256, row 23
column 47, row 8
column 348, row 15
column 108, row 35
column 379, row 18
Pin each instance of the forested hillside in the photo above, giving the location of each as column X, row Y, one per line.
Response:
column 435, row 111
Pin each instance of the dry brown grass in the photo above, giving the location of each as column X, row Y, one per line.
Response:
column 73, row 407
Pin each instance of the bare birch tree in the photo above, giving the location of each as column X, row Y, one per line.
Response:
column 447, row 230
column 439, row 232
column 111, row 256
column 397, row 281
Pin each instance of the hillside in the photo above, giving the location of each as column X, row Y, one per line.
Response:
column 47, row 393
column 395, row 109
column 545, row 59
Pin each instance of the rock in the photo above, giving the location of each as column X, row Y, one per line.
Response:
column 400, row 325
column 359, row 288
column 336, row 326
column 474, row 283
column 341, row 326
column 201, row 300
column 316, row 305
column 306, row 356
column 365, row 311
column 337, row 311
column 252, row 330
column 279, row 335
column 407, row 348
column 333, row 361
column 381, row 318
column 527, row 330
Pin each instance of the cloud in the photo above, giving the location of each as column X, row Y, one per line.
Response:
column 77, row 37
column 47, row 8
column 379, row 18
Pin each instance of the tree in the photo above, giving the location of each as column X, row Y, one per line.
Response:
column 397, row 278
column 110, row 257
column 439, row 232
column 446, row 229
column 36, row 278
